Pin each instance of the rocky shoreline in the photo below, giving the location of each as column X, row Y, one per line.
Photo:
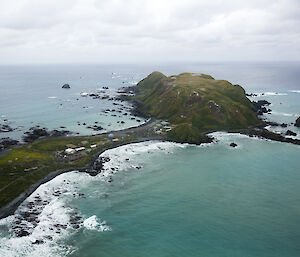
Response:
column 93, row 168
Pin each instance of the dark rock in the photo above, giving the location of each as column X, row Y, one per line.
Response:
column 290, row 133
column 259, row 112
column 263, row 102
column 5, row 128
column 38, row 242
column 284, row 125
column 21, row 233
column 259, row 107
column 7, row 142
column 233, row 144
column 59, row 133
column 97, row 128
column 251, row 94
column 92, row 172
column 297, row 123
column 35, row 134
column 66, row 86
column 272, row 123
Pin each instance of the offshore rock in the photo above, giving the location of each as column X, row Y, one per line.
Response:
column 67, row 86
column 233, row 144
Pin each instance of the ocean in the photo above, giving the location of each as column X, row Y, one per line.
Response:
column 166, row 199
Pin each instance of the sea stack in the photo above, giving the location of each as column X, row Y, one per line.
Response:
column 66, row 86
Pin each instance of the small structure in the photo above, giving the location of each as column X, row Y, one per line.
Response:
column 79, row 149
column 30, row 169
column 111, row 136
column 93, row 146
column 69, row 151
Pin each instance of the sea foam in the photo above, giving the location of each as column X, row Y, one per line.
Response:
column 93, row 223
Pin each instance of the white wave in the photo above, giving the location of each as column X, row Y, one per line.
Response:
column 133, row 82
column 270, row 94
column 129, row 156
column 46, row 218
column 295, row 91
column 225, row 138
column 50, row 205
column 285, row 114
column 52, row 97
column 93, row 223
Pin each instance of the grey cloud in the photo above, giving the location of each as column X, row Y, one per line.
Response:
column 76, row 30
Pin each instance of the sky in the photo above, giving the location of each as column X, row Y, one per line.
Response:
column 147, row 31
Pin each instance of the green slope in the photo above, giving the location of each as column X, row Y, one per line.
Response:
column 195, row 103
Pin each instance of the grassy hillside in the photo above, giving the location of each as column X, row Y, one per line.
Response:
column 14, row 179
column 195, row 103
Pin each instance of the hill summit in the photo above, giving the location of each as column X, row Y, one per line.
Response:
column 195, row 103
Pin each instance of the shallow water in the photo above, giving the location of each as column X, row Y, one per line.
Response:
column 170, row 199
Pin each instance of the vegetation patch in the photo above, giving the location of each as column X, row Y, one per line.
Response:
column 25, row 165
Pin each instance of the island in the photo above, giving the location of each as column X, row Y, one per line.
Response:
column 183, row 108
column 194, row 105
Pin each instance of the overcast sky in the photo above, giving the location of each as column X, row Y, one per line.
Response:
column 126, row 31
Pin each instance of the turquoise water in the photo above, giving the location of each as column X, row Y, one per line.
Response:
column 170, row 199
column 184, row 201
column 212, row 201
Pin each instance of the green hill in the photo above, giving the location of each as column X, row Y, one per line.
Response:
column 195, row 103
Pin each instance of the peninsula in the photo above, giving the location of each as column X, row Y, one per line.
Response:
column 182, row 108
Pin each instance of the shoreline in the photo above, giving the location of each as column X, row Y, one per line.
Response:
column 9, row 208
column 141, row 134
column 12, row 206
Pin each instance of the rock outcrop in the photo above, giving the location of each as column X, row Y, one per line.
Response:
column 290, row 133
column 66, row 86
column 297, row 123
column 6, row 142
